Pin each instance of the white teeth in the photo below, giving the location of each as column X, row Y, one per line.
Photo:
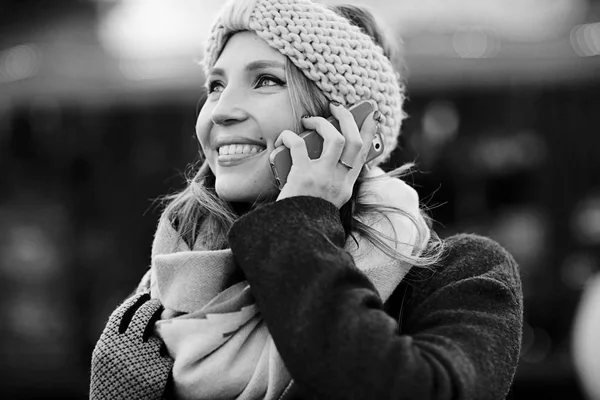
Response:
column 239, row 149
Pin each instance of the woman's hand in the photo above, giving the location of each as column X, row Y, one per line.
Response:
column 331, row 176
column 129, row 361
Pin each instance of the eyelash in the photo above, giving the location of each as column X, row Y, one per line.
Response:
column 276, row 81
column 212, row 85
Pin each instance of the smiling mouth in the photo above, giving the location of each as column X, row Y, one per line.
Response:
column 240, row 149
column 235, row 154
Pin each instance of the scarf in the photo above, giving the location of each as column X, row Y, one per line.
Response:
column 220, row 344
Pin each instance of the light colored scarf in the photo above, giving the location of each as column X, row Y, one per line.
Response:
column 221, row 346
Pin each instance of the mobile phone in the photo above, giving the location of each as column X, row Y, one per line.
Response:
column 281, row 159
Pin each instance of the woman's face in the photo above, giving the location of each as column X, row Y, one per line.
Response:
column 248, row 106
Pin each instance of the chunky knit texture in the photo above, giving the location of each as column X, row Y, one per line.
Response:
column 345, row 63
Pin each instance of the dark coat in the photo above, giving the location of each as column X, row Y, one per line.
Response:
column 449, row 332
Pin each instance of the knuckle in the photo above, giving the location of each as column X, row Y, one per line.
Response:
column 344, row 112
column 339, row 141
column 356, row 144
column 315, row 123
column 287, row 135
column 291, row 136
column 296, row 143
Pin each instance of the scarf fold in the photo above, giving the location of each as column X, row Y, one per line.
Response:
column 221, row 345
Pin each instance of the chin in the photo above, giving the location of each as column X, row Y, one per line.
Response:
column 250, row 192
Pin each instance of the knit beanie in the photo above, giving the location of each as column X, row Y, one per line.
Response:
column 344, row 62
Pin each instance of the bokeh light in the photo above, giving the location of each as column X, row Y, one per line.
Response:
column 475, row 43
column 19, row 62
column 585, row 39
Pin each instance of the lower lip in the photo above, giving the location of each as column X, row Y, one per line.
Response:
column 231, row 160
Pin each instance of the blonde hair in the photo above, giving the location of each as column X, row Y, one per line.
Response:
column 344, row 60
column 199, row 215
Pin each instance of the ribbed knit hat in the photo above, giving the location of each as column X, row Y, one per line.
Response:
column 344, row 62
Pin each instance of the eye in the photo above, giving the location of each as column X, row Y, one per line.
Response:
column 268, row 81
column 215, row 86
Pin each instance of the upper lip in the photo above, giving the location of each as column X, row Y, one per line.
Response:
column 226, row 140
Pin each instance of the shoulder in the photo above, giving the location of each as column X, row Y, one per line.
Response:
column 474, row 258
column 475, row 254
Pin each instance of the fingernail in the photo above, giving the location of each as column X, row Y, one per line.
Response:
column 335, row 103
column 377, row 116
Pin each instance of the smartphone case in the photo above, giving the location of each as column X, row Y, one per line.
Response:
column 281, row 159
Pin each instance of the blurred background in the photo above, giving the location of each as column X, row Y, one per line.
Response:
column 97, row 113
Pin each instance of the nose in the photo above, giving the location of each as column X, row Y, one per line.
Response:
column 230, row 108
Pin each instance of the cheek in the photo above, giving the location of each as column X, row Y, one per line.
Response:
column 277, row 122
column 203, row 126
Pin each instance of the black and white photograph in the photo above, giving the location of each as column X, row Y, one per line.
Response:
column 300, row 199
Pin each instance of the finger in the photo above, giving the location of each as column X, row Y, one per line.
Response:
column 296, row 145
column 130, row 308
column 351, row 133
column 333, row 140
column 278, row 141
column 155, row 310
column 120, row 318
column 119, row 361
column 142, row 322
column 136, row 317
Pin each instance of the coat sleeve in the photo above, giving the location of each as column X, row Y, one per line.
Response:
column 329, row 325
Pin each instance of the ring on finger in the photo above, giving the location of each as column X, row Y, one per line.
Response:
column 345, row 164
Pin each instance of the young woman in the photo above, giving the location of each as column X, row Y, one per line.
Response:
column 333, row 287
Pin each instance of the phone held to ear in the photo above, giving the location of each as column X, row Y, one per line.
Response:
column 281, row 159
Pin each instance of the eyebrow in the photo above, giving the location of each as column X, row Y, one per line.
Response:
column 252, row 66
